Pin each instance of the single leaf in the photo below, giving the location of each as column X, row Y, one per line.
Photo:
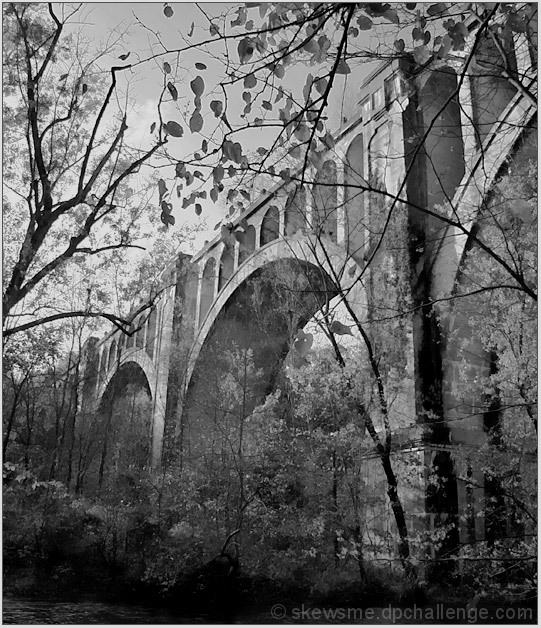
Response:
column 307, row 87
column 343, row 67
column 172, row 90
column 266, row 105
column 124, row 56
column 162, row 188
column 321, row 85
column 167, row 219
column 191, row 29
column 85, row 88
column 245, row 49
column 218, row 173
column 200, row 66
column 180, row 169
column 213, row 30
column 174, row 129
column 250, row 81
column 438, row 9
column 400, row 45
column 279, row 71
column 168, row 11
column 214, row 195
column 198, row 86
column 152, row 127
column 421, row 54
column 217, row 107
column 364, row 22
column 339, row 328
column 391, row 15
column 166, row 67
column 196, row 122
column 198, row 209
column 302, row 133
column 63, row 77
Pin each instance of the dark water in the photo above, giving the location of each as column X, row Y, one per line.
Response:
column 30, row 611
column 17, row 611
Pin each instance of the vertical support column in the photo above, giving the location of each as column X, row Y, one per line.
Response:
column 281, row 220
column 466, row 122
column 145, row 330
column 162, row 358
column 236, row 252
column 200, row 270
column 309, row 209
column 340, row 201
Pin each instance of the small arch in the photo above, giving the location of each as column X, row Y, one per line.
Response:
column 151, row 332
column 326, row 200
column 208, row 281
column 112, row 355
column 247, row 246
column 355, row 197
column 103, row 362
column 227, row 265
column 270, row 227
column 295, row 212
column 140, row 335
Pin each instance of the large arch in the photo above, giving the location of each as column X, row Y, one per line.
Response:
column 319, row 252
column 125, row 424
column 481, row 171
column 241, row 360
column 136, row 356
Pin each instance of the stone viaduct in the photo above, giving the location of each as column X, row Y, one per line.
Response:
column 471, row 127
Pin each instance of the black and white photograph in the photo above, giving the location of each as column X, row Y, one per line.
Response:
column 269, row 313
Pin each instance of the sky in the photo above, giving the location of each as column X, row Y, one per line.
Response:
column 143, row 25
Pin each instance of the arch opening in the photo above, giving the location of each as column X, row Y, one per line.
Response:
column 227, row 265
column 208, row 281
column 247, row 246
column 355, row 198
column 295, row 217
column 270, row 227
column 121, row 430
column 241, row 361
column 324, row 219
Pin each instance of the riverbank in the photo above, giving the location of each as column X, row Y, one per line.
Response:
column 34, row 598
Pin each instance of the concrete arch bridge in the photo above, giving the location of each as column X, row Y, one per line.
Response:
column 325, row 235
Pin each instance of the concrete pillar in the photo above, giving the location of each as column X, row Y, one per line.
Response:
column 310, row 175
column 340, row 202
column 466, row 121
column 163, row 354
